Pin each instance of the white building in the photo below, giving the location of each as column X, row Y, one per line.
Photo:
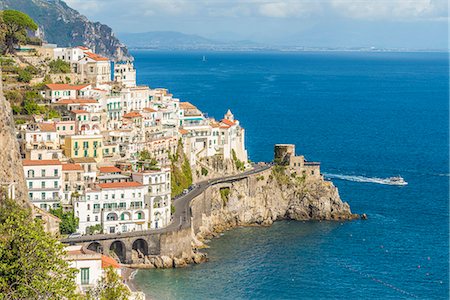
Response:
column 158, row 195
column 117, row 207
column 125, row 73
column 90, row 266
column 44, row 182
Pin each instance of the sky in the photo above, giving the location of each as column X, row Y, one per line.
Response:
column 412, row 24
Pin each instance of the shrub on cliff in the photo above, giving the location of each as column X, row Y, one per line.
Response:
column 59, row 66
column 31, row 261
column 109, row 287
column 181, row 172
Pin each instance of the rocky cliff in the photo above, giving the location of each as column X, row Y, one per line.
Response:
column 265, row 198
column 259, row 200
column 11, row 170
column 62, row 25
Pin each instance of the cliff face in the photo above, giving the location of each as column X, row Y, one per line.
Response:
column 62, row 25
column 11, row 170
column 264, row 198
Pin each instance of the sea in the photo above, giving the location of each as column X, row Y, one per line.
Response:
column 366, row 116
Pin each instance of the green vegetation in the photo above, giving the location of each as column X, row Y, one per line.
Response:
column 59, row 66
column 69, row 222
column 225, row 195
column 261, row 177
column 109, row 287
column 172, row 209
column 181, row 176
column 204, row 171
column 240, row 165
column 24, row 76
column 279, row 173
column 13, row 29
column 146, row 161
column 31, row 261
column 94, row 229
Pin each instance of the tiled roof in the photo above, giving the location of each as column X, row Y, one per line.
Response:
column 227, row 122
column 117, row 185
column 132, row 114
column 72, row 167
column 187, row 105
column 63, row 86
column 183, row 131
column 47, row 127
column 96, row 57
column 84, row 160
column 109, row 262
column 83, row 48
column 79, row 111
column 149, row 109
column 109, row 169
column 76, row 101
column 44, row 162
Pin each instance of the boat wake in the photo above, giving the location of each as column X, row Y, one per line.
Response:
column 386, row 181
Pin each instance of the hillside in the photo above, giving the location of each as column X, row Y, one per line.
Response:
column 62, row 25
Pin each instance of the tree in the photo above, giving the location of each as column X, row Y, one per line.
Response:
column 69, row 223
column 59, row 66
column 16, row 24
column 109, row 287
column 24, row 76
column 31, row 260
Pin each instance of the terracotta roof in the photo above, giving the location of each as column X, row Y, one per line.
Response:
column 187, row 105
column 76, row 101
column 132, row 114
column 83, row 48
column 72, row 167
column 83, row 160
column 95, row 57
column 116, row 185
column 183, row 131
column 79, row 111
column 49, row 127
column 44, row 162
column 109, row 262
column 63, row 86
column 149, row 109
column 109, row 169
column 227, row 122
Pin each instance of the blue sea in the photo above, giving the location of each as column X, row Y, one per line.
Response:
column 365, row 117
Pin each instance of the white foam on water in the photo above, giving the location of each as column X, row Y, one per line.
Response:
column 356, row 178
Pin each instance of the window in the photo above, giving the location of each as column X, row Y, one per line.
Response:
column 139, row 215
column 84, row 275
column 88, row 206
column 43, row 184
column 85, row 144
column 96, row 218
column 64, row 127
column 88, row 218
column 76, row 143
column 85, row 153
column 43, row 196
column 43, row 173
column 30, row 185
column 122, row 196
column 43, row 206
column 55, row 172
column 76, row 152
column 55, row 184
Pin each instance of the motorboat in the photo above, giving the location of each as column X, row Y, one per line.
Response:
column 397, row 180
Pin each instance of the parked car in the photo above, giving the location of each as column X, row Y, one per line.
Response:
column 75, row 235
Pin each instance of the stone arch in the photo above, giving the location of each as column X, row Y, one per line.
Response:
column 118, row 247
column 125, row 216
column 96, row 247
column 139, row 213
column 157, row 202
column 112, row 217
column 84, row 127
column 141, row 245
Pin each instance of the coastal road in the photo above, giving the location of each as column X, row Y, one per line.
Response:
column 182, row 216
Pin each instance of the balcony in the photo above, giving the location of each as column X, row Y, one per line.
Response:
column 36, row 189
column 57, row 199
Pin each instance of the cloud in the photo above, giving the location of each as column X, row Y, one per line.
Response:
column 394, row 10
column 390, row 9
